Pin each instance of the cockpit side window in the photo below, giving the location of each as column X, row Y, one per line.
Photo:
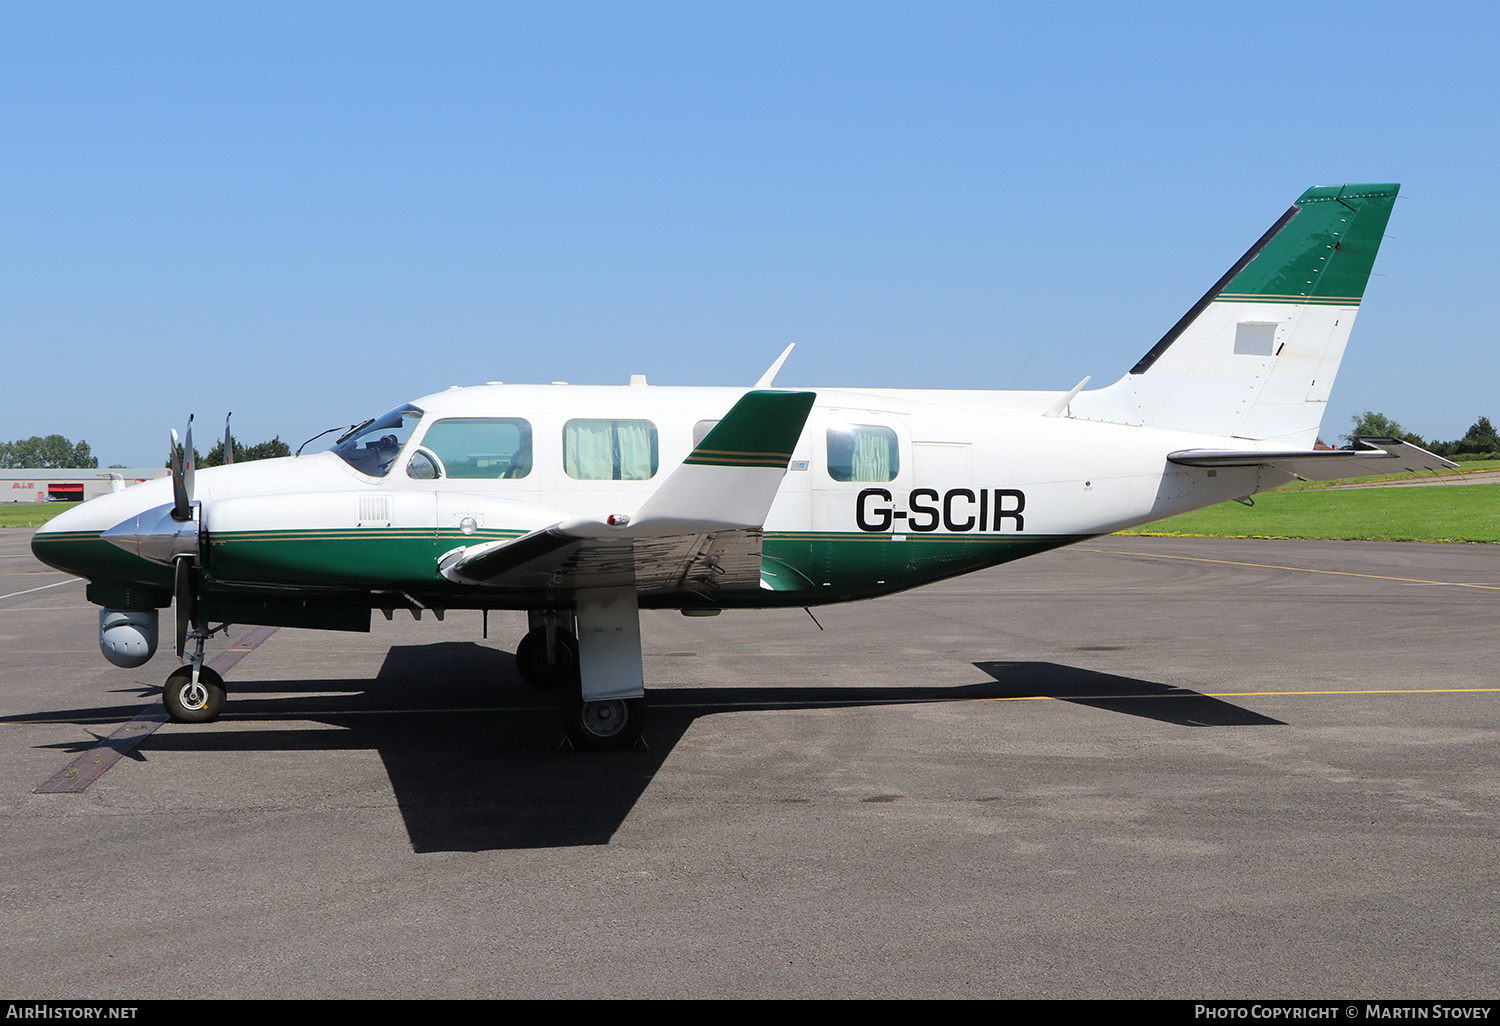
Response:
column 373, row 446
column 481, row 448
column 422, row 467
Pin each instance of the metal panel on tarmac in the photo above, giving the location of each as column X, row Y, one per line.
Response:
column 1136, row 767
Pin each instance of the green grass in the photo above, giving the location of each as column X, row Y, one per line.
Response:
column 1464, row 513
column 31, row 514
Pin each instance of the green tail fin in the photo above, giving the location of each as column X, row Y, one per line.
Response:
column 1324, row 255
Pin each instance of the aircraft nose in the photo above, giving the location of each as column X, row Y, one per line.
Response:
column 55, row 542
column 71, row 541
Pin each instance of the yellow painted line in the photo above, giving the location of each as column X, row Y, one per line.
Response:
column 1238, row 694
column 1303, row 569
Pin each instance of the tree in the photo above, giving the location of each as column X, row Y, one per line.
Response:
column 1378, row 425
column 274, row 449
column 246, row 453
column 52, row 452
column 1481, row 437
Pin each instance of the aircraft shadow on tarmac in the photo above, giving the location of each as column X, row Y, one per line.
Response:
column 473, row 753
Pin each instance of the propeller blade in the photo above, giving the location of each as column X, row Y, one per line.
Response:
column 184, row 601
column 182, row 510
column 228, row 442
column 189, row 460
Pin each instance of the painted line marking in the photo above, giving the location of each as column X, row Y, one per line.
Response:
column 1248, row 694
column 77, row 775
column 44, row 587
column 1075, row 698
column 1303, row 569
column 94, row 763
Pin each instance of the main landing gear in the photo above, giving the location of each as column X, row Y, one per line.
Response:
column 547, row 656
column 610, row 725
column 598, row 668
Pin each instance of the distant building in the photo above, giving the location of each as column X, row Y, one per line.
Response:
column 70, row 485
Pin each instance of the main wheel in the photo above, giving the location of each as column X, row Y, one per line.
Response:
column 188, row 704
column 603, row 726
column 531, row 660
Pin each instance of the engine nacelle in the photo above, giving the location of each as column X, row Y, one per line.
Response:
column 127, row 637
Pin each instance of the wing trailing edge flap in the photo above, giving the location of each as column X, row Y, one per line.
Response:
column 706, row 516
column 1378, row 456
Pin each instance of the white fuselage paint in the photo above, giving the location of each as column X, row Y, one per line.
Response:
column 1079, row 477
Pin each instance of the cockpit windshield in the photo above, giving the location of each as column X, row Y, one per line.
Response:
column 372, row 447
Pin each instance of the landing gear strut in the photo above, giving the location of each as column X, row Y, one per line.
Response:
column 606, row 708
column 194, row 693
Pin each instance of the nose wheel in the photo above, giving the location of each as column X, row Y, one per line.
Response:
column 190, row 700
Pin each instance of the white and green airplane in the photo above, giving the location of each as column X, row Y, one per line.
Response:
column 584, row 504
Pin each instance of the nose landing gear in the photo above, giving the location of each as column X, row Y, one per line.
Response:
column 193, row 695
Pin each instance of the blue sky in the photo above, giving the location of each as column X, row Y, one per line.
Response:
column 309, row 212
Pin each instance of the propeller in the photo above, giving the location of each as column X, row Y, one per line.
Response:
column 182, row 474
column 228, row 441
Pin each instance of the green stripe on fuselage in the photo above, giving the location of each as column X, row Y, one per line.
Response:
column 828, row 566
column 842, row 566
column 378, row 558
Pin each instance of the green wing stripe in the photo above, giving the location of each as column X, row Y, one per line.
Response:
column 760, row 431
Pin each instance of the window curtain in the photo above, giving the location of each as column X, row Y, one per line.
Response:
column 872, row 455
column 609, row 450
column 633, row 444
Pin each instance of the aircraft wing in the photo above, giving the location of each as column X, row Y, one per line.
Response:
column 1379, row 456
column 699, row 532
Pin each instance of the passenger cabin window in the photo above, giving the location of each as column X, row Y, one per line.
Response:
column 609, row 450
column 701, row 430
column 480, row 448
column 863, row 452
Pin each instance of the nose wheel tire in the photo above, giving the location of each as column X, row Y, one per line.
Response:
column 604, row 726
column 190, row 703
column 532, row 664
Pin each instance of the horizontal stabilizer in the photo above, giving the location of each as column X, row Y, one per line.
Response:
column 1379, row 456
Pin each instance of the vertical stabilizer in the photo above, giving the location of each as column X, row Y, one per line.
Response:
column 1256, row 357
